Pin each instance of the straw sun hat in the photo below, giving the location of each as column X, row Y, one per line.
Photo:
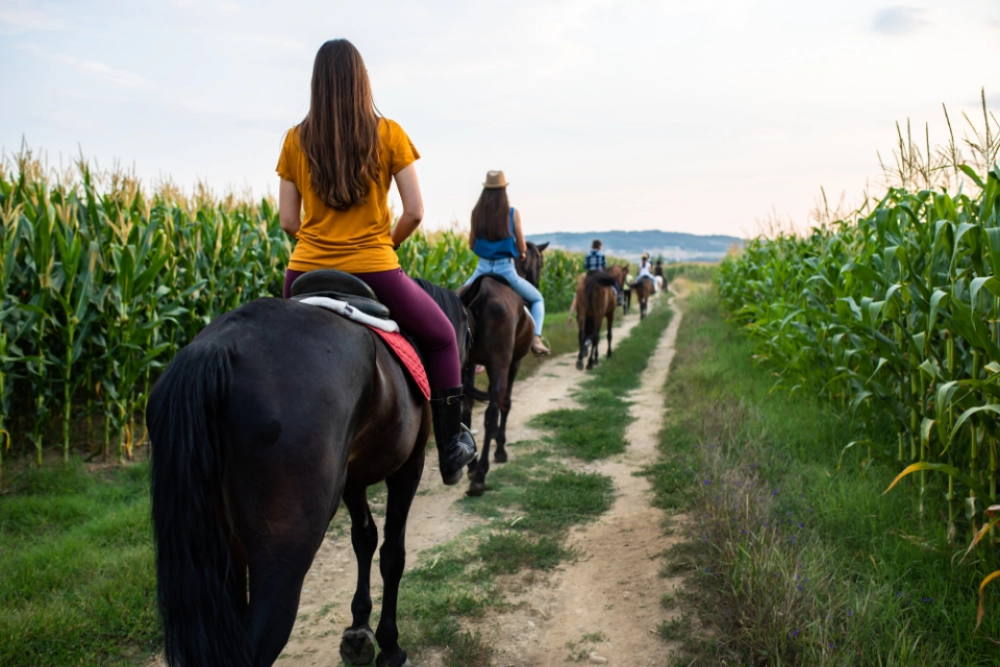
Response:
column 495, row 180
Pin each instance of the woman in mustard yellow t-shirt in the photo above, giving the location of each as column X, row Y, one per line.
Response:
column 336, row 167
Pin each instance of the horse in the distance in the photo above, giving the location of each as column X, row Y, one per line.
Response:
column 502, row 331
column 596, row 302
column 259, row 427
column 626, row 288
column 643, row 289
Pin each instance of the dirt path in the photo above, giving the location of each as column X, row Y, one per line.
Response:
column 607, row 603
column 324, row 608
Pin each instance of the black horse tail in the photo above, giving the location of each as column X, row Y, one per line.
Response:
column 193, row 569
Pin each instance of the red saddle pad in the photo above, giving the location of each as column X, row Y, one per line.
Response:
column 406, row 354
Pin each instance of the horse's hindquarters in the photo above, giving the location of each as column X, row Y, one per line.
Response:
column 282, row 407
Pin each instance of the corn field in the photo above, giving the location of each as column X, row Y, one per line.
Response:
column 894, row 314
column 103, row 283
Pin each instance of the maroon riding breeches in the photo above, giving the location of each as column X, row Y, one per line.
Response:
column 416, row 313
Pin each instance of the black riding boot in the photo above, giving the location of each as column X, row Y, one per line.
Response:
column 455, row 445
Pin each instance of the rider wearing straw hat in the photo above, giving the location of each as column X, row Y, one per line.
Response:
column 496, row 238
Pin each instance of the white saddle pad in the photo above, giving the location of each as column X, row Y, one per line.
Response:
column 350, row 312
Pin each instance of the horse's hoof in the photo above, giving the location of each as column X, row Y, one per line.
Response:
column 579, row 364
column 476, row 489
column 500, row 456
column 357, row 646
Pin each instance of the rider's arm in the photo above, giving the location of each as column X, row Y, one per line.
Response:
column 522, row 247
column 413, row 204
column 289, row 208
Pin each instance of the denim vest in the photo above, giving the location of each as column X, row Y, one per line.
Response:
column 501, row 249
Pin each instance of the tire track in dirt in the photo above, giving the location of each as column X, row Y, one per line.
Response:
column 325, row 604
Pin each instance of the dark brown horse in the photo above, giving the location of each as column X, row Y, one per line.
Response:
column 502, row 331
column 596, row 302
column 272, row 415
column 643, row 289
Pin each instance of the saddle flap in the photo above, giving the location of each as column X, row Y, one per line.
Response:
column 330, row 280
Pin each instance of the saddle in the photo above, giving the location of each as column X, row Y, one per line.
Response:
column 342, row 287
column 469, row 294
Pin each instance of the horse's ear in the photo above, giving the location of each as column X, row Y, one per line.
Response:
column 542, row 246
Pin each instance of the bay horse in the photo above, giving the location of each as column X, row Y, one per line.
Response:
column 643, row 288
column 259, row 427
column 596, row 302
column 502, row 331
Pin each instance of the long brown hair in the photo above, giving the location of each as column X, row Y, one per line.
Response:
column 340, row 134
column 489, row 217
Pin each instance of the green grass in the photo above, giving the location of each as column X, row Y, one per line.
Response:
column 78, row 584
column 598, row 429
column 792, row 560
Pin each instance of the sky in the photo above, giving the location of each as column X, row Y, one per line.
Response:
column 701, row 117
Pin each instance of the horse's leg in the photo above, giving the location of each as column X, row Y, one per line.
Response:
column 491, row 420
column 402, row 487
column 582, row 339
column 611, row 322
column 595, row 347
column 277, row 568
column 357, row 644
column 468, row 402
column 501, row 452
column 468, row 380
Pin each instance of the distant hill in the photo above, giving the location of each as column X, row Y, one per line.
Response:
column 674, row 246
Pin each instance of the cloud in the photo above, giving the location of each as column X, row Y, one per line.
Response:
column 899, row 20
column 99, row 69
column 20, row 17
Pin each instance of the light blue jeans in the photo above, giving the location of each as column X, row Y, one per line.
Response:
column 527, row 291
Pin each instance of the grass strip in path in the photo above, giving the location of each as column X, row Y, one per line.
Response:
column 534, row 501
column 792, row 561
column 598, row 429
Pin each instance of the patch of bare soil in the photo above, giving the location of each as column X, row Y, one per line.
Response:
column 606, row 605
column 325, row 605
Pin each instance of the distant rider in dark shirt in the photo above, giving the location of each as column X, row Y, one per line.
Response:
column 595, row 261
